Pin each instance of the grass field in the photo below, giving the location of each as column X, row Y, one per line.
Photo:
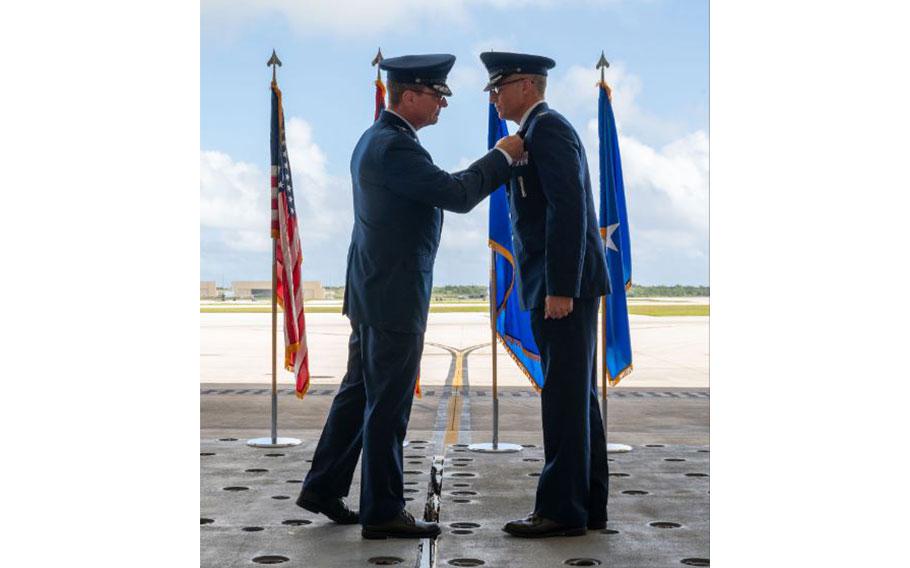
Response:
column 677, row 310
column 656, row 311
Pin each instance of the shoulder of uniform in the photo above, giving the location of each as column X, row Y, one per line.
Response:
column 549, row 117
column 547, row 121
column 395, row 127
column 394, row 140
column 398, row 136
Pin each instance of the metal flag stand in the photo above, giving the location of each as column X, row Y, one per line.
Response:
column 274, row 441
column 611, row 448
column 494, row 447
column 602, row 64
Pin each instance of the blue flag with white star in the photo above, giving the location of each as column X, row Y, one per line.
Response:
column 513, row 325
column 614, row 228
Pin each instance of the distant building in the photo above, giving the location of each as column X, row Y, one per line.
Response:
column 262, row 290
column 208, row 290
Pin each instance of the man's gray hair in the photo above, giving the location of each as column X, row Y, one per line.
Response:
column 540, row 83
column 397, row 89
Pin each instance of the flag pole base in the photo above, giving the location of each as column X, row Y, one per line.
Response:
column 489, row 448
column 267, row 442
column 618, row 448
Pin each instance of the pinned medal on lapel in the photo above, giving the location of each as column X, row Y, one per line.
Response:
column 522, row 161
column 521, row 186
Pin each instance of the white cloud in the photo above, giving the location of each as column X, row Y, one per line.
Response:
column 247, row 240
column 671, row 184
column 667, row 202
column 494, row 44
column 234, row 205
column 324, row 206
column 362, row 18
column 574, row 90
column 234, row 198
column 463, row 252
column 665, row 171
column 466, row 79
column 463, row 256
column 463, row 164
column 574, row 93
column 347, row 18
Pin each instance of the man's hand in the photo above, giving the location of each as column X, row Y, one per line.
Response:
column 557, row 307
column 513, row 145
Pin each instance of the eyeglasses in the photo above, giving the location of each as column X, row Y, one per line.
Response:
column 435, row 94
column 498, row 88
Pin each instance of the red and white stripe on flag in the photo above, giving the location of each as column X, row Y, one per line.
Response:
column 288, row 258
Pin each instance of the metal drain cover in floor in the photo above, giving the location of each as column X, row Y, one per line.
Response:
column 270, row 559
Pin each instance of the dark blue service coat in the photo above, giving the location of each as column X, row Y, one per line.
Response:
column 398, row 197
column 554, row 224
column 559, row 253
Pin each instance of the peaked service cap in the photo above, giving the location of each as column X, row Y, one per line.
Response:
column 501, row 64
column 428, row 69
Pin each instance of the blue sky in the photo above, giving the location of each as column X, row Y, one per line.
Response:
column 659, row 72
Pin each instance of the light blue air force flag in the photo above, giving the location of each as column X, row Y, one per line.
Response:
column 614, row 228
column 513, row 326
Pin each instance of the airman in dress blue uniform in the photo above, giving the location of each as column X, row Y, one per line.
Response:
column 561, row 275
column 399, row 195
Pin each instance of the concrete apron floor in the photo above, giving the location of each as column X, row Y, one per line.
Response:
column 659, row 492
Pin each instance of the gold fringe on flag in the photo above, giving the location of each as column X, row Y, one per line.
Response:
column 502, row 251
column 620, row 376
column 302, row 393
column 520, row 364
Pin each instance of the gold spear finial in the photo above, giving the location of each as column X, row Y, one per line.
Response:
column 274, row 62
column 602, row 64
column 376, row 61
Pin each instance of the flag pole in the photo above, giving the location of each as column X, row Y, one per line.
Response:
column 603, row 360
column 376, row 61
column 274, row 441
column 493, row 289
column 275, row 342
column 602, row 64
column 611, row 448
column 495, row 447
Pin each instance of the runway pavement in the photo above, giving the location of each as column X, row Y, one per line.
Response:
column 659, row 492
column 236, row 348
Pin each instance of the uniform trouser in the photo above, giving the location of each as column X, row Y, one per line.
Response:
column 573, row 485
column 370, row 412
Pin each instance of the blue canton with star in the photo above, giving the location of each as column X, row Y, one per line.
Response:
column 284, row 178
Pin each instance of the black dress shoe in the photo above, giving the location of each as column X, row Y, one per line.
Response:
column 333, row 508
column 402, row 526
column 535, row 526
column 596, row 525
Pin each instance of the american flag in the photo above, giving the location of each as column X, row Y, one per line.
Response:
column 380, row 100
column 287, row 252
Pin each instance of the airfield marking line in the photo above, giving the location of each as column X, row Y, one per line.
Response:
column 458, row 407
column 450, row 413
column 454, row 410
